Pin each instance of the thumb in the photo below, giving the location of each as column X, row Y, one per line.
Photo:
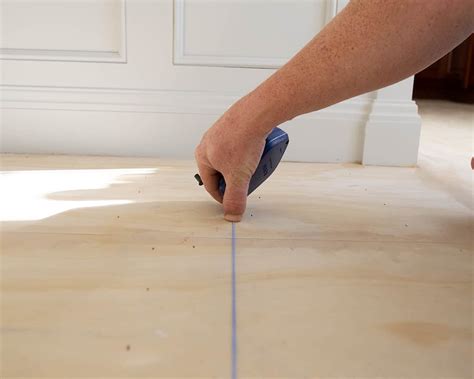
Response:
column 235, row 200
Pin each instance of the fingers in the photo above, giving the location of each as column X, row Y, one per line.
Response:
column 210, row 178
column 235, row 200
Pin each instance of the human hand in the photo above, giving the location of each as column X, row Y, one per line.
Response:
column 232, row 147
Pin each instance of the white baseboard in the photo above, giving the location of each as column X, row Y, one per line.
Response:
column 392, row 134
column 169, row 124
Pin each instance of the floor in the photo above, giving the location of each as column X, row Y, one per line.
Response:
column 447, row 143
column 116, row 267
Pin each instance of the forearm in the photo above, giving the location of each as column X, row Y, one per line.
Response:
column 369, row 45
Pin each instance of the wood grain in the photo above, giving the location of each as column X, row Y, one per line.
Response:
column 342, row 270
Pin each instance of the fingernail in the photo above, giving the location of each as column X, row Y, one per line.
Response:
column 232, row 218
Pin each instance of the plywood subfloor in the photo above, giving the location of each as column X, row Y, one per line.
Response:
column 116, row 267
column 447, row 145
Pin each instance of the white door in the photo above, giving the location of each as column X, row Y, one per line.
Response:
column 148, row 77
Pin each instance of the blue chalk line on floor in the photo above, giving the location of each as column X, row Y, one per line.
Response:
column 234, row 311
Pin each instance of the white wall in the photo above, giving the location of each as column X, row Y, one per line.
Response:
column 148, row 77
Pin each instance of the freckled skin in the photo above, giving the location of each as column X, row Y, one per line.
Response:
column 369, row 45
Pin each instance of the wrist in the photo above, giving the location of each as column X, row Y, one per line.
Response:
column 271, row 103
column 256, row 114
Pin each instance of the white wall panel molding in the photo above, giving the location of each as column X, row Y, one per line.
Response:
column 183, row 55
column 152, row 107
column 51, row 44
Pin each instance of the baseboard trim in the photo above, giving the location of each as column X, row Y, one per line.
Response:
column 392, row 134
column 148, row 101
column 169, row 123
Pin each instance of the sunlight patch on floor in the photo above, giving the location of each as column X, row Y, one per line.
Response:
column 24, row 194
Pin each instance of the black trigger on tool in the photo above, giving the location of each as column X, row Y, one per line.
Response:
column 199, row 180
